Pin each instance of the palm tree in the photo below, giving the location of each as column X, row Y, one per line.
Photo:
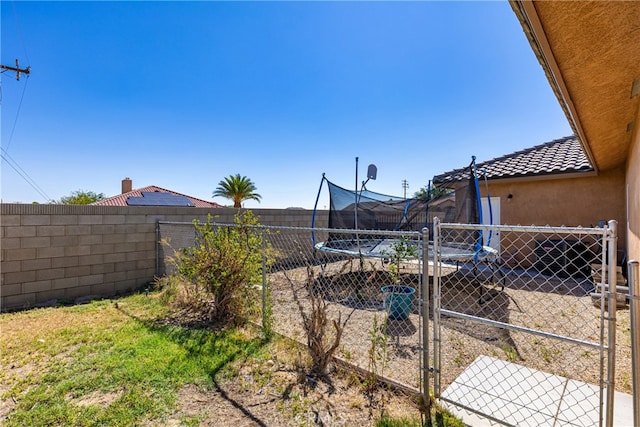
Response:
column 237, row 188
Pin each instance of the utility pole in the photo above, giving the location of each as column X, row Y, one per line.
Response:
column 405, row 185
column 17, row 69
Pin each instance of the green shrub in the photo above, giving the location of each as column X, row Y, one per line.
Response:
column 221, row 274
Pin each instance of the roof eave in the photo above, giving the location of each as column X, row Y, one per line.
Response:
column 543, row 177
column 526, row 13
column 525, row 178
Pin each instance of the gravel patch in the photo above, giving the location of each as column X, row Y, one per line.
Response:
column 560, row 307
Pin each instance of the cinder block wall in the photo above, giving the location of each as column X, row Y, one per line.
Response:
column 63, row 252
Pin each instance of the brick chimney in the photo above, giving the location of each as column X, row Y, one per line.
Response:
column 126, row 185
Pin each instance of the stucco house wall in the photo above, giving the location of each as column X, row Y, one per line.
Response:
column 567, row 202
column 571, row 202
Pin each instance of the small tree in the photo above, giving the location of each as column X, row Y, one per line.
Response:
column 237, row 188
column 435, row 192
column 401, row 250
column 82, row 197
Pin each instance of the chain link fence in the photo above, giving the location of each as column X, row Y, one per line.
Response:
column 526, row 328
column 377, row 299
column 380, row 296
column 527, row 320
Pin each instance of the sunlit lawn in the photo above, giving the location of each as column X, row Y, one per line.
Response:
column 107, row 363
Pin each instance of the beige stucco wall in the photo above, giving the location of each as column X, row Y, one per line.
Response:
column 633, row 193
column 570, row 202
column 58, row 252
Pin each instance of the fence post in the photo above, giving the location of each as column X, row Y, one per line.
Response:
column 265, row 291
column 436, row 307
column 612, row 240
column 425, row 321
column 157, row 248
column 634, row 297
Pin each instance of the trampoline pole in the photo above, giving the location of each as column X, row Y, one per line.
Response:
column 315, row 209
column 355, row 213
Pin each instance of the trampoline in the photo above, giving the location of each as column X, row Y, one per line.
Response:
column 366, row 224
column 359, row 214
column 381, row 248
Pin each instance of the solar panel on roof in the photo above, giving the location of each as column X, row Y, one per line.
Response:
column 156, row 198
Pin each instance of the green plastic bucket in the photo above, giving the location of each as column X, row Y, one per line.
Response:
column 398, row 301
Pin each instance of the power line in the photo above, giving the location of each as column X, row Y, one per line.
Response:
column 26, row 71
column 23, row 174
column 15, row 121
column 19, row 29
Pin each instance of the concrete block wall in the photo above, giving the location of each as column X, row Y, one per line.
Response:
column 65, row 252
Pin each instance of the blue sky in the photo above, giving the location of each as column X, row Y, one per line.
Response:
column 183, row 94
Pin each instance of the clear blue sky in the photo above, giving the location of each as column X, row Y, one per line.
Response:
column 183, row 94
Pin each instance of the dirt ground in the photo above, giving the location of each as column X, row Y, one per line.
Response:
column 275, row 392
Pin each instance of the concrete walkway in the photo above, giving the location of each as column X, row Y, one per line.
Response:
column 513, row 395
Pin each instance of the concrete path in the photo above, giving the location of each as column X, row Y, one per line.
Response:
column 513, row 395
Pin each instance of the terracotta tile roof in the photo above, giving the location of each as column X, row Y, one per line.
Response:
column 121, row 199
column 557, row 157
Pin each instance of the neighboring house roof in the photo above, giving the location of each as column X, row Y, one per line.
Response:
column 138, row 199
column 557, row 157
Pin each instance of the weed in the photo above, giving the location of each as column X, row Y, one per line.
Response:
column 459, row 359
column 398, row 422
column 440, row 418
column 357, row 403
column 510, row 352
column 378, row 352
column 547, row 354
column 347, row 354
column 315, row 320
column 625, row 381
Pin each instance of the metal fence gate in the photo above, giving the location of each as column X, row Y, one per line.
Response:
column 524, row 337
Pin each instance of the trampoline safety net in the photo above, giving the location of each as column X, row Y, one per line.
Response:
column 368, row 210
